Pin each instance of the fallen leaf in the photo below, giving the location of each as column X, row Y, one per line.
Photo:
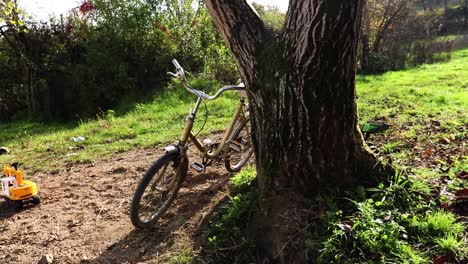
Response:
column 462, row 175
column 445, row 140
column 444, row 205
column 440, row 259
column 427, row 153
column 345, row 227
column 462, row 194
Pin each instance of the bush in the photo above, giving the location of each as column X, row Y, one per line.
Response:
column 110, row 51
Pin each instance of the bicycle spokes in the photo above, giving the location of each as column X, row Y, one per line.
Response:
column 162, row 185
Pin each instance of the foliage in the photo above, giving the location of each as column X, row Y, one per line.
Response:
column 10, row 14
column 407, row 97
column 397, row 34
column 394, row 223
column 271, row 15
column 103, row 52
column 144, row 124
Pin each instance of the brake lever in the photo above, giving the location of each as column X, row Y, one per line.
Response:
column 173, row 74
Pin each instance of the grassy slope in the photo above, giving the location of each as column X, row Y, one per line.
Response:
column 437, row 91
column 46, row 147
column 424, row 105
column 429, row 90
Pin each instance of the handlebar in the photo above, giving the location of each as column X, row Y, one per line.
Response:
column 180, row 74
column 177, row 65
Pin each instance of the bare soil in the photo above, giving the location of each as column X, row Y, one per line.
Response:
column 83, row 215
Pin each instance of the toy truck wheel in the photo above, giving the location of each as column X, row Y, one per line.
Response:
column 36, row 200
column 17, row 205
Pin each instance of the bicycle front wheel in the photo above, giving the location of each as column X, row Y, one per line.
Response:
column 240, row 147
column 157, row 190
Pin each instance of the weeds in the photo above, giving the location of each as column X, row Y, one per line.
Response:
column 390, row 147
column 186, row 256
column 395, row 223
column 227, row 240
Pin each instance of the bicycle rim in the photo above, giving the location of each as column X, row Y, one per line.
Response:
column 240, row 149
column 158, row 189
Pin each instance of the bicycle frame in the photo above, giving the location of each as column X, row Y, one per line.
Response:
column 188, row 136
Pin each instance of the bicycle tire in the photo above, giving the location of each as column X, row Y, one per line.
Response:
column 180, row 166
column 237, row 137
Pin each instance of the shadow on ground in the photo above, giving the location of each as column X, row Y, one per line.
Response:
column 6, row 211
column 183, row 225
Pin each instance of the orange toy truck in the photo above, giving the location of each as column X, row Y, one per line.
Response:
column 15, row 189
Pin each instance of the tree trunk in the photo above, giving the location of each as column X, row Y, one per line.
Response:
column 423, row 3
column 446, row 16
column 365, row 43
column 301, row 87
column 465, row 18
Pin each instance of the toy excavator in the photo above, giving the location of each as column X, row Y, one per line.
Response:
column 15, row 189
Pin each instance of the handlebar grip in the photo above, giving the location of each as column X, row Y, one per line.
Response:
column 173, row 74
column 176, row 64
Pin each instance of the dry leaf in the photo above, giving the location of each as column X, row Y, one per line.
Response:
column 427, row 153
column 462, row 175
column 440, row 259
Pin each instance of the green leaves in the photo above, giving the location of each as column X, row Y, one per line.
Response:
column 395, row 223
column 12, row 15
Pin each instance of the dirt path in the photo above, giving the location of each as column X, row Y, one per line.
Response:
column 83, row 216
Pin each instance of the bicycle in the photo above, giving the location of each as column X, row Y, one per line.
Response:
column 159, row 186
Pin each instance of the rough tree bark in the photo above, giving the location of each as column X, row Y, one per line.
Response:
column 464, row 6
column 301, row 87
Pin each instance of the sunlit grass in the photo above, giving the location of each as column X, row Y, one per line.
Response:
column 437, row 91
column 46, row 147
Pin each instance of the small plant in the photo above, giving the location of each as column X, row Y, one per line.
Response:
column 244, row 179
column 450, row 244
column 185, row 256
column 391, row 147
column 436, row 225
column 401, row 191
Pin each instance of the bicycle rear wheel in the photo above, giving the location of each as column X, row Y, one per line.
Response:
column 240, row 147
column 157, row 190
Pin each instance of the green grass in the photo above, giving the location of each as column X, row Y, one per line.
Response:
column 47, row 147
column 436, row 92
column 185, row 256
column 393, row 223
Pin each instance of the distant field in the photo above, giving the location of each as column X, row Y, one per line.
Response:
column 432, row 89
column 406, row 98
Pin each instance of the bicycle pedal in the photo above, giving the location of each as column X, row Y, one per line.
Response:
column 198, row 167
column 235, row 146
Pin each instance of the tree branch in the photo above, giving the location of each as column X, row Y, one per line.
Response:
column 242, row 30
column 13, row 45
column 386, row 23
